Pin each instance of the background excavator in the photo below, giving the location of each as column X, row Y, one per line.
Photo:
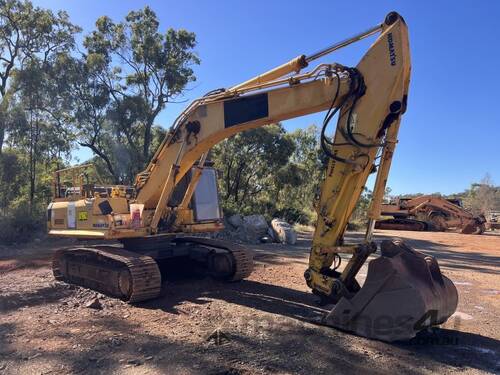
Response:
column 176, row 195
column 430, row 213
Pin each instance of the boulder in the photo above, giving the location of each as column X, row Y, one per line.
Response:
column 284, row 232
column 271, row 234
column 256, row 224
column 250, row 229
column 235, row 221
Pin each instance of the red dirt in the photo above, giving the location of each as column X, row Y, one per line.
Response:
column 260, row 325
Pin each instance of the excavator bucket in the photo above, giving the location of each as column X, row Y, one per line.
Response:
column 404, row 292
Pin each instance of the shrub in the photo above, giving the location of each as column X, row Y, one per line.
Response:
column 19, row 226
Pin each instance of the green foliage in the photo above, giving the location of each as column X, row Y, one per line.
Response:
column 29, row 36
column 270, row 171
column 129, row 73
column 32, row 40
column 54, row 97
column 297, row 184
column 12, row 179
column 20, row 225
column 21, row 219
column 249, row 162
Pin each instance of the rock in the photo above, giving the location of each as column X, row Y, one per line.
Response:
column 94, row 304
column 256, row 224
column 250, row 229
column 284, row 232
column 271, row 234
column 235, row 220
column 134, row 362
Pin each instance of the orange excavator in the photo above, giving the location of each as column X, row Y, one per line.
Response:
column 430, row 213
column 176, row 197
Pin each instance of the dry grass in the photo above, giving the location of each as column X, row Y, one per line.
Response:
column 303, row 228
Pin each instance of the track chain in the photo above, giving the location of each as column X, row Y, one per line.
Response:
column 243, row 257
column 104, row 264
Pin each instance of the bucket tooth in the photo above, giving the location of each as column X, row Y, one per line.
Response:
column 404, row 292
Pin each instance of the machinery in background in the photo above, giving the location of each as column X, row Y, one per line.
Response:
column 430, row 213
column 176, row 195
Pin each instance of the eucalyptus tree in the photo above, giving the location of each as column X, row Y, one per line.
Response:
column 28, row 33
column 132, row 71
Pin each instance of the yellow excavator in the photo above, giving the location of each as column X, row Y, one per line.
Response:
column 176, row 195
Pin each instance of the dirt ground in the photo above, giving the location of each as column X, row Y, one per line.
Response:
column 257, row 326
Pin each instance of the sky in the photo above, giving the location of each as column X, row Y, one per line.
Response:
column 450, row 134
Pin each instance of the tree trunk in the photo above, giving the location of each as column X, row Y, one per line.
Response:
column 31, row 162
column 147, row 140
column 3, row 119
column 2, row 137
column 106, row 160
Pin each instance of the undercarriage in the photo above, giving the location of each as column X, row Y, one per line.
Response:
column 404, row 224
column 131, row 272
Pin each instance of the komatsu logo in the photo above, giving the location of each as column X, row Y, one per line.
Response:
column 392, row 52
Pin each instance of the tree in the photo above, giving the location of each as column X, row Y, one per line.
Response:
column 11, row 176
column 129, row 72
column 270, row 171
column 360, row 215
column 298, row 182
column 37, row 128
column 249, row 162
column 88, row 110
column 28, row 32
column 34, row 94
column 482, row 197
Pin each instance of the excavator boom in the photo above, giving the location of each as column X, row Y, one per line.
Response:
column 368, row 100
